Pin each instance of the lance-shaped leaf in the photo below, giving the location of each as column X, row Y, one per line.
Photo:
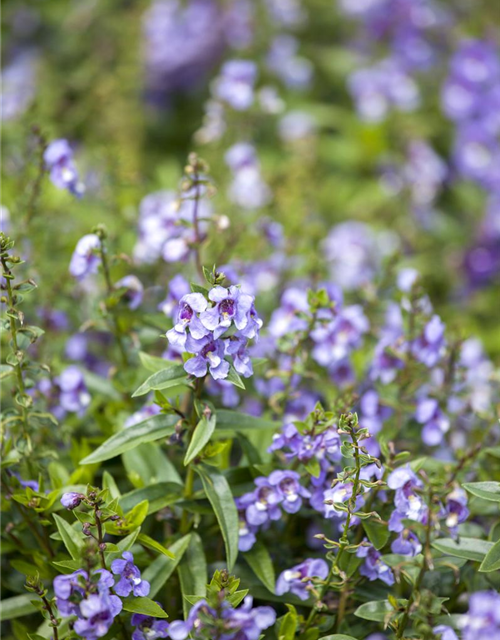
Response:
column 222, row 501
column 149, row 430
column 172, row 376
column 160, row 570
column 193, row 571
column 72, row 540
column 234, row 421
column 16, row 607
column 377, row 610
column 261, row 564
column 469, row 548
column 492, row 560
column 201, row 436
column 146, row 606
column 484, row 490
column 150, row 543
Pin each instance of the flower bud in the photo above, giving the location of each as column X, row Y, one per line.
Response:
column 72, row 499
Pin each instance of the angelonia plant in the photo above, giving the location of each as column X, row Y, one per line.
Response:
column 205, row 460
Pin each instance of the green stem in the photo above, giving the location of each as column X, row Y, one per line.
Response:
column 109, row 285
column 188, row 487
column 343, row 543
column 13, row 331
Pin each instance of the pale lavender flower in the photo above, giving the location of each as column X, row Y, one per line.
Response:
column 297, row 579
column 148, row 628
column 235, row 85
column 130, row 577
column 71, row 499
column 58, row 158
column 230, row 306
column 429, row 346
column 209, row 354
column 435, row 422
column 85, row 259
column 374, row 568
column 406, row 544
column 482, row 621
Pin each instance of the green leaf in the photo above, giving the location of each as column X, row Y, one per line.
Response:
column 261, row 564
column 376, row 610
column 148, row 542
column 234, row 378
column 378, row 534
column 172, row 376
column 200, row 437
column 158, row 495
column 16, row 607
column 154, row 428
column 154, row 363
column 492, row 559
column 468, row 548
column 193, row 571
column 484, row 490
column 222, row 501
column 109, row 483
column 151, row 464
column 72, row 541
column 145, row 606
column 234, row 421
column 288, row 624
column 160, row 570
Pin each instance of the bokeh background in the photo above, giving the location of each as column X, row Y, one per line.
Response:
column 383, row 113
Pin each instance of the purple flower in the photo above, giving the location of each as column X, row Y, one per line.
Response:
column 288, row 489
column 237, row 348
column 180, row 630
column 445, row 633
column 235, row 84
column 148, row 628
column 456, row 509
column 89, row 600
column 85, row 259
column 71, row 500
column 299, row 578
column 65, row 587
column 209, row 354
column 408, row 503
column 482, row 621
column 374, row 568
column 406, row 544
column 373, row 413
column 334, row 340
column 247, row 623
column 246, row 531
column 73, row 394
column 130, row 580
column 189, row 306
column 435, row 422
column 339, row 494
column 263, row 503
column 428, row 348
column 134, row 290
column 231, row 306
column 96, row 615
column 58, row 158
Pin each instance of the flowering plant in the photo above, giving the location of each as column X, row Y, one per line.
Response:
column 254, row 398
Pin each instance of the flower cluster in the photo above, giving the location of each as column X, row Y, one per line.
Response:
column 248, row 190
column 243, row 623
column 281, row 490
column 167, row 225
column 89, row 597
column 202, row 328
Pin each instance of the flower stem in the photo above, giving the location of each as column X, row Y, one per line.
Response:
column 109, row 285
